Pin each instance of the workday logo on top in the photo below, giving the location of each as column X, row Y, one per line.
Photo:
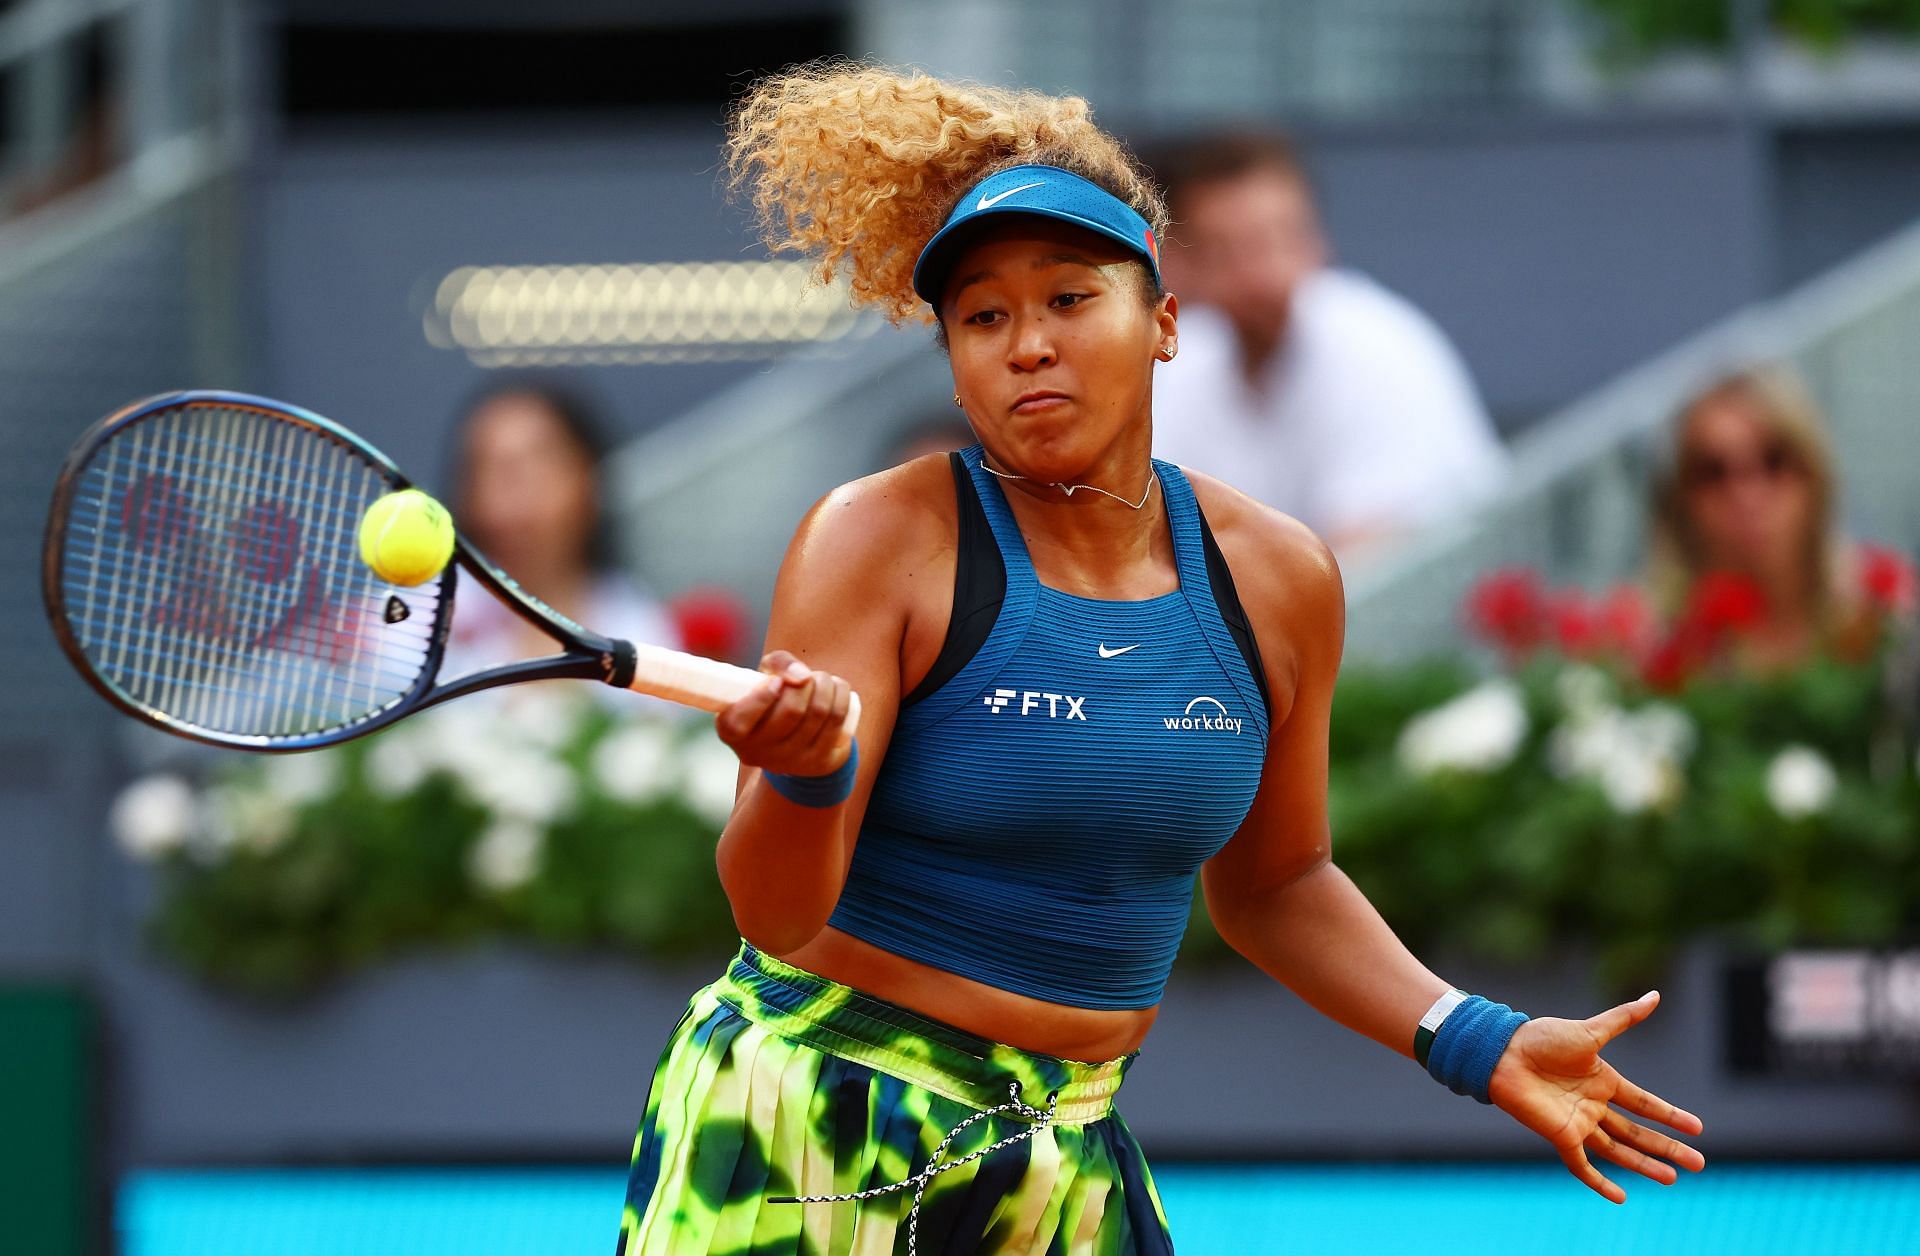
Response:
column 1203, row 715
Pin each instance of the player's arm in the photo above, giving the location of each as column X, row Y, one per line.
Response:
column 839, row 617
column 1273, row 891
column 1277, row 897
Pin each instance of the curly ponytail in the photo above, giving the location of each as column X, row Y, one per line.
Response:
column 859, row 165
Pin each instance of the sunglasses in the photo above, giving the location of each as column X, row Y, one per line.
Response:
column 1712, row 471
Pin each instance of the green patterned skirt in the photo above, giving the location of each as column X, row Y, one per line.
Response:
column 780, row 1087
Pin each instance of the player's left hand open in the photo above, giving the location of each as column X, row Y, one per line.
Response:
column 1552, row 1080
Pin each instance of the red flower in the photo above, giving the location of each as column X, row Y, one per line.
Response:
column 1668, row 665
column 1725, row 602
column 1575, row 627
column 712, row 622
column 1624, row 620
column 1508, row 608
column 1888, row 579
column 1721, row 605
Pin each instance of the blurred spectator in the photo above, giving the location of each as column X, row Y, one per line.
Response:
column 1747, row 561
column 526, row 492
column 1311, row 388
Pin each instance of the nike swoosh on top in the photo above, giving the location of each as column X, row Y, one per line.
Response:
column 1105, row 653
column 988, row 202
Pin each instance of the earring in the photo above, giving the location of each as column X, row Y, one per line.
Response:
column 1167, row 353
column 956, row 399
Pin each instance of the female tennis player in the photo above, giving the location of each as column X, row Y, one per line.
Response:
column 1087, row 676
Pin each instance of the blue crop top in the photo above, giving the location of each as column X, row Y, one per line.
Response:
column 1047, row 799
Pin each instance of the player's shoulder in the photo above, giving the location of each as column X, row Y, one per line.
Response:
column 1277, row 561
column 899, row 515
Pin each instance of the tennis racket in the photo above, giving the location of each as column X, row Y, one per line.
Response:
column 202, row 571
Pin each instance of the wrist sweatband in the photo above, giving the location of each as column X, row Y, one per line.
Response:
column 1469, row 1042
column 829, row 790
column 1423, row 1036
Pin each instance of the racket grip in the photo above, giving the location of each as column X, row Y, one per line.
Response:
column 707, row 683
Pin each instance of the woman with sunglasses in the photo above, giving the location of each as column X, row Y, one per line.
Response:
column 1086, row 676
column 1751, row 500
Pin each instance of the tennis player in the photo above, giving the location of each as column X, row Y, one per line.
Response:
column 1087, row 676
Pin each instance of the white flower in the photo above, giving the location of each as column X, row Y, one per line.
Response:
column 542, row 715
column 242, row 816
column 1634, row 783
column 399, row 762
column 490, row 761
column 525, row 785
column 1633, row 756
column 1583, row 688
column 1665, row 730
column 507, row 855
column 1800, row 782
column 1479, row 731
column 711, row 774
column 153, row 816
column 303, row 778
column 474, row 759
column 634, row 763
column 1582, row 748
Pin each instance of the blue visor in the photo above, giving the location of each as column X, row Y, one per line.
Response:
column 1047, row 191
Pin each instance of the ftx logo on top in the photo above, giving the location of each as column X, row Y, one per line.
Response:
column 1203, row 714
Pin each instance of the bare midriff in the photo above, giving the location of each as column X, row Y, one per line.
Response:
column 1093, row 1035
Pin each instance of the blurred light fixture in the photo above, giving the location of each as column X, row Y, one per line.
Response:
column 649, row 312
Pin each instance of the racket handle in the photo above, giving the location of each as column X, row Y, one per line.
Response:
column 707, row 683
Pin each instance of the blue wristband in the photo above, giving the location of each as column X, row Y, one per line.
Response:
column 1469, row 1043
column 818, row 791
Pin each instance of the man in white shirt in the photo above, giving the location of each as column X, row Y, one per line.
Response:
column 1311, row 388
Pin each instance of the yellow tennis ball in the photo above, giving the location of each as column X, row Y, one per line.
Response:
column 406, row 537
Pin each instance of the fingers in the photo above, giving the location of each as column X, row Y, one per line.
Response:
column 1606, row 1145
column 779, row 728
column 1654, row 1108
column 834, row 723
column 1652, row 1142
column 737, row 722
column 821, row 710
column 1615, row 1021
column 1575, row 1158
column 792, row 723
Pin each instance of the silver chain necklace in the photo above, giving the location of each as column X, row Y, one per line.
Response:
column 1153, row 478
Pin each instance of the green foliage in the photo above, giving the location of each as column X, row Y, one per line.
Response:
column 1604, row 818
column 1642, row 27
column 302, row 890
column 1511, row 863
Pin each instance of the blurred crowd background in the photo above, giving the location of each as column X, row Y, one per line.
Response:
column 1584, row 330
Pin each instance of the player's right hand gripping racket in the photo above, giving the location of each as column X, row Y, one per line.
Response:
column 202, row 571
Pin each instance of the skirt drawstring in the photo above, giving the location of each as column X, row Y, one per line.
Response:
column 1040, row 1119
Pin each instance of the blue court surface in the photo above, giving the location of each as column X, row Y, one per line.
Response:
column 1754, row 1210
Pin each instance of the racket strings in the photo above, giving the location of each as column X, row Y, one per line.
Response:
column 211, row 573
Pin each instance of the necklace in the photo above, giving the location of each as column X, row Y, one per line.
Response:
column 1153, row 478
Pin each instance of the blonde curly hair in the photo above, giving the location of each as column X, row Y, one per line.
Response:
column 859, row 165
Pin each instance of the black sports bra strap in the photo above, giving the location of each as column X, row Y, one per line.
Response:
column 979, row 587
column 1227, row 598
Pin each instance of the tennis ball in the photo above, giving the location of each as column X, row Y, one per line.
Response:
column 406, row 537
